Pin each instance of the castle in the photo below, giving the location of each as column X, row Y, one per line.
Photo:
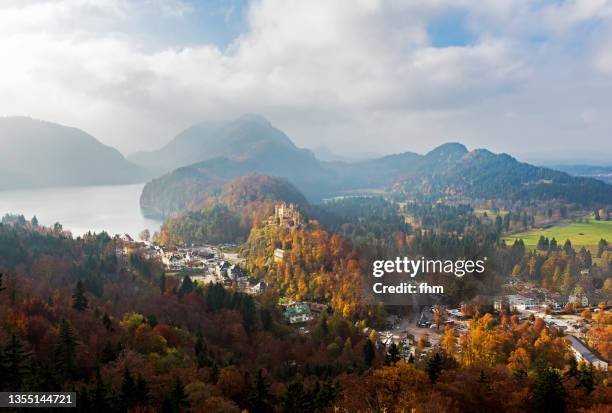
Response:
column 286, row 215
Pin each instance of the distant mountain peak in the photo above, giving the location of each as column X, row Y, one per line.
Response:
column 38, row 153
column 448, row 150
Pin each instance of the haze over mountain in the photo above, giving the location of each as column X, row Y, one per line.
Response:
column 237, row 139
column 36, row 153
column 603, row 173
column 252, row 145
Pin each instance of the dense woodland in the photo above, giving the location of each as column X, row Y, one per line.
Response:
column 76, row 314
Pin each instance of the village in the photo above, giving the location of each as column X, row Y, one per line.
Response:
column 413, row 336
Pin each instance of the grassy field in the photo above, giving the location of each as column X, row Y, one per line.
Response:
column 587, row 233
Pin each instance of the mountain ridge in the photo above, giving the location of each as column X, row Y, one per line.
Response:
column 38, row 153
column 449, row 169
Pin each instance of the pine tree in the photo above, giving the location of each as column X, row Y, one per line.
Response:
column 1, row 287
column 14, row 359
column 601, row 247
column 108, row 353
column 127, row 392
column 79, row 301
column 99, row 395
column 549, row 394
column 177, row 396
column 162, row 282
column 65, row 351
column 434, row 367
column 393, row 354
column 295, row 399
column 108, row 324
column 142, row 391
column 368, row 352
column 186, row 286
column 260, row 399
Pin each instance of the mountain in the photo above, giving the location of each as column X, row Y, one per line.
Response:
column 485, row 175
column 236, row 139
column 250, row 144
column 603, row 173
column 36, row 153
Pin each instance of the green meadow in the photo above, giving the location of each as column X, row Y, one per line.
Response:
column 586, row 233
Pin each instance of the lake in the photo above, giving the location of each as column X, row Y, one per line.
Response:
column 114, row 209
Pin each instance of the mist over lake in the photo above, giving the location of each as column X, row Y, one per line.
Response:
column 114, row 208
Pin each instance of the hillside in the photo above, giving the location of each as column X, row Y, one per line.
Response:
column 485, row 175
column 41, row 154
column 229, row 214
column 237, row 139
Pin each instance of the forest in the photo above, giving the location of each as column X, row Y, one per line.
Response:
column 77, row 314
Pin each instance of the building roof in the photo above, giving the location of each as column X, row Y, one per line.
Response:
column 297, row 309
column 584, row 351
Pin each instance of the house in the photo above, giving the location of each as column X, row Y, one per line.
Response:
column 578, row 298
column 521, row 302
column 318, row 307
column 298, row 313
column 258, row 288
column 583, row 353
column 279, row 255
column 126, row 238
column 555, row 301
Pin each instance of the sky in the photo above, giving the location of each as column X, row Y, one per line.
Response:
column 532, row 78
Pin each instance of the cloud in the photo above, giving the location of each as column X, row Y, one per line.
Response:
column 359, row 74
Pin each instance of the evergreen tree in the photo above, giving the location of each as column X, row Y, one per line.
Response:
column 108, row 324
column 127, row 392
column 567, row 247
column 434, row 367
column 186, row 286
column 1, row 286
column 601, row 247
column 586, row 378
column 369, row 352
column 142, row 391
column 108, row 353
column 393, row 354
column 200, row 351
column 177, row 396
column 99, row 395
column 549, row 394
column 259, row 399
column 162, row 282
column 65, row 351
column 79, row 301
column 14, row 359
column 295, row 399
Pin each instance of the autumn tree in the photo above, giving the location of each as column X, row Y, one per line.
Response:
column 145, row 235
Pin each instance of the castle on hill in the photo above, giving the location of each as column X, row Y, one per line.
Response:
column 286, row 215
